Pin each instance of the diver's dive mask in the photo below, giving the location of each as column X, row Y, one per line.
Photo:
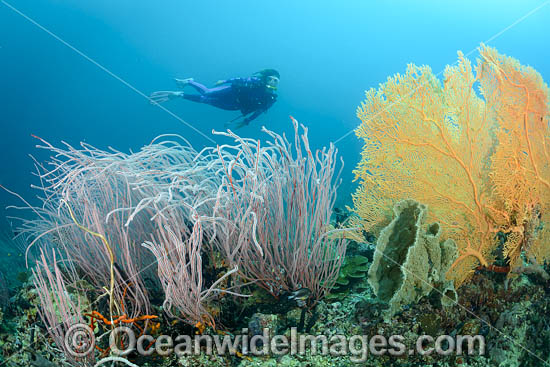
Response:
column 272, row 82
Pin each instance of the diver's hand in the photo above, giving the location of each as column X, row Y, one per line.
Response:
column 163, row 96
column 220, row 82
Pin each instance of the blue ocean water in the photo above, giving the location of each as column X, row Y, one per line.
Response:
column 328, row 53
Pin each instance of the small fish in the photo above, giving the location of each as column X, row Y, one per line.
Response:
column 300, row 296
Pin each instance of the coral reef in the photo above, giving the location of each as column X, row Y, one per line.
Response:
column 353, row 269
column 360, row 314
column 235, row 239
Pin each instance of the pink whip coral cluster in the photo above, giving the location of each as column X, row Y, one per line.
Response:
column 280, row 196
column 126, row 222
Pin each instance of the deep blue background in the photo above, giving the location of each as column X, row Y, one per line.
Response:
column 328, row 53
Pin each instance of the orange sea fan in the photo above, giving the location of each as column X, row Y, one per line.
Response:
column 520, row 166
column 457, row 151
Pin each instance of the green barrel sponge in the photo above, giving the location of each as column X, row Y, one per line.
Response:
column 410, row 261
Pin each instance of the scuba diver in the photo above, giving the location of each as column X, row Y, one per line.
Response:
column 252, row 96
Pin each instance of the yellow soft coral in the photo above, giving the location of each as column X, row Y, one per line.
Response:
column 447, row 146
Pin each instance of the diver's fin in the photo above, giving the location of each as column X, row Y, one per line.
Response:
column 163, row 96
column 182, row 83
column 235, row 123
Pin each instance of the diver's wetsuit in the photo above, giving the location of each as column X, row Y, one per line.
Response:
column 245, row 94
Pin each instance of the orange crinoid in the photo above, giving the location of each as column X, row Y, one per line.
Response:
column 474, row 148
